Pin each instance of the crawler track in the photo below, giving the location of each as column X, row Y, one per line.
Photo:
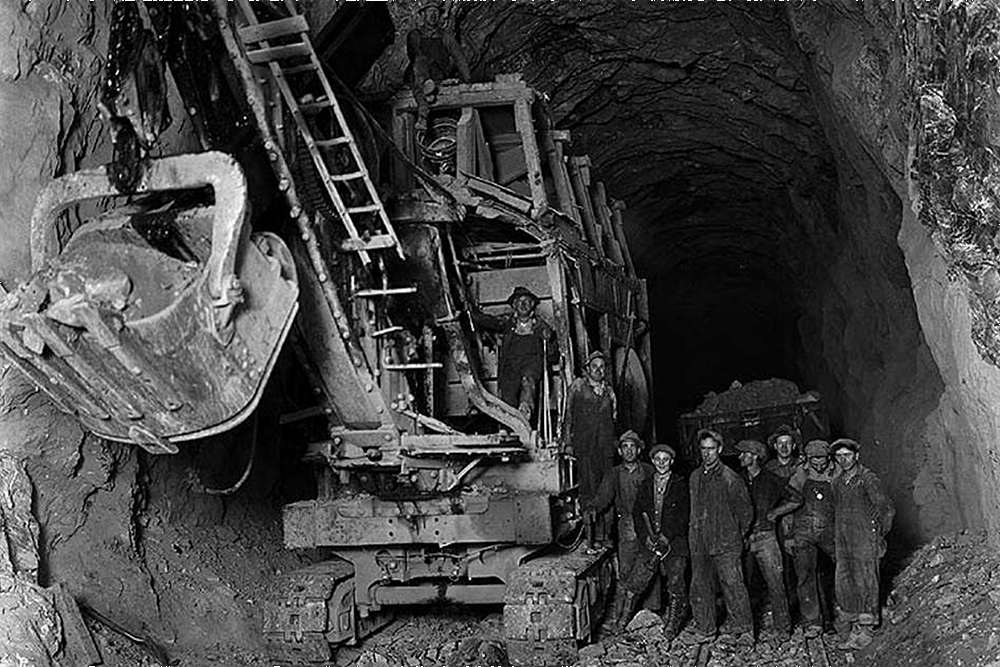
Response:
column 817, row 652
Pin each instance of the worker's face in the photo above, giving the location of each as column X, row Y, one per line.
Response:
column 430, row 17
column 629, row 450
column 784, row 445
column 710, row 450
column 747, row 459
column 663, row 462
column 846, row 459
column 819, row 462
column 524, row 305
column 597, row 369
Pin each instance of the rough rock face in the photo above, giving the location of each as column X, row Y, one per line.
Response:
column 812, row 193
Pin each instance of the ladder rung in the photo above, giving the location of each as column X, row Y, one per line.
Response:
column 292, row 25
column 376, row 242
column 272, row 53
column 412, row 367
column 386, row 331
column 389, row 291
column 315, row 107
column 370, row 208
column 299, row 69
column 352, row 176
column 327, row 143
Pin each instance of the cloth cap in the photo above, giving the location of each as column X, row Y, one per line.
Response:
column 709, row 433
column 661, row 447
column 784, row 429
column 521, row 290
column 752, row 446
column 818, row 448
column 630, row 436
column 596, row 354
column 845, row 443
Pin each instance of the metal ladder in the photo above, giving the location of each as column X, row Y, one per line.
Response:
column 285, row 47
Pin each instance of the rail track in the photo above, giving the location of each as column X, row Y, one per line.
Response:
column 817, row 652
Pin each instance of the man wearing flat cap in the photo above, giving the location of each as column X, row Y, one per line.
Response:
column 767, row 491
column 588, row 429
column 864, row 516
column 721, row 515
column 660, row 515
column 619, row 488
column 811, row 504
column 527, row 344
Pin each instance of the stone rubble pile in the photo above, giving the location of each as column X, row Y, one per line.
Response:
column 755, row 394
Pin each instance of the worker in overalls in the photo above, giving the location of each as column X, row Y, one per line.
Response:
column 434, row 56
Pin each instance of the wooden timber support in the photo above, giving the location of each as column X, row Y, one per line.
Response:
column 579, row 170
column 617, row 211
column 603, row 212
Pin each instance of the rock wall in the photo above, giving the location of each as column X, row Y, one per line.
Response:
column 876, row 64
column 134, row 538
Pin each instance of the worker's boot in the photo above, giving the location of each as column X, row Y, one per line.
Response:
column 858, row 639
column 624, row 604
column 673, row 619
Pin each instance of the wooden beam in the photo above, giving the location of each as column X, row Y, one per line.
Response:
column 526, row 127
column 560, row 177
column 579, row 172
column 618, row 215
column 603, row 212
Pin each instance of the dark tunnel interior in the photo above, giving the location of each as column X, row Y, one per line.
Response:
column 722, row 158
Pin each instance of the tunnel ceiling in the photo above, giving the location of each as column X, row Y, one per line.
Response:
column 696, row 114
column 699, row 115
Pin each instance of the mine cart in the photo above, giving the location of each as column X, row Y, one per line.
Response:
column 807, row 414
column 156, row 315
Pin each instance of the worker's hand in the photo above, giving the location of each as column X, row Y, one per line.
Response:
column 772, row 515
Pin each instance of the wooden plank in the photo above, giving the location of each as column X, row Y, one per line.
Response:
column 600, row 200
column 470, row 95
column 288, row 26
column 576, row 173
column 618, row 220
column 465, row 149
column 525, row 125
column 560, row 177
column 273, row 53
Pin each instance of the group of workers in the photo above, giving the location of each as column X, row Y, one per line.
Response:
column 773, row 512
column 776, row 515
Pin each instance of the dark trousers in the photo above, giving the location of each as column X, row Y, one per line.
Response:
column 807, row 572
column 764, row 550
column 728, row 568
column 857, row 589
column 644, row 570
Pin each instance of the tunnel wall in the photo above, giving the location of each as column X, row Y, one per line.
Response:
column 928, row 395
column 130, row 536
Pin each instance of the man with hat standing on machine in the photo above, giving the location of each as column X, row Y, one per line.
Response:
column 767, row 491
column 863, row 516
column 660, row 515
column 588, row 434
column 527, row 344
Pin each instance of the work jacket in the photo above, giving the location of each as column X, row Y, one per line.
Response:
column 721, row 511
column 813, row 520
column 621, row 487
column 674, row 513
column 767, row 491
column 863, row 514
